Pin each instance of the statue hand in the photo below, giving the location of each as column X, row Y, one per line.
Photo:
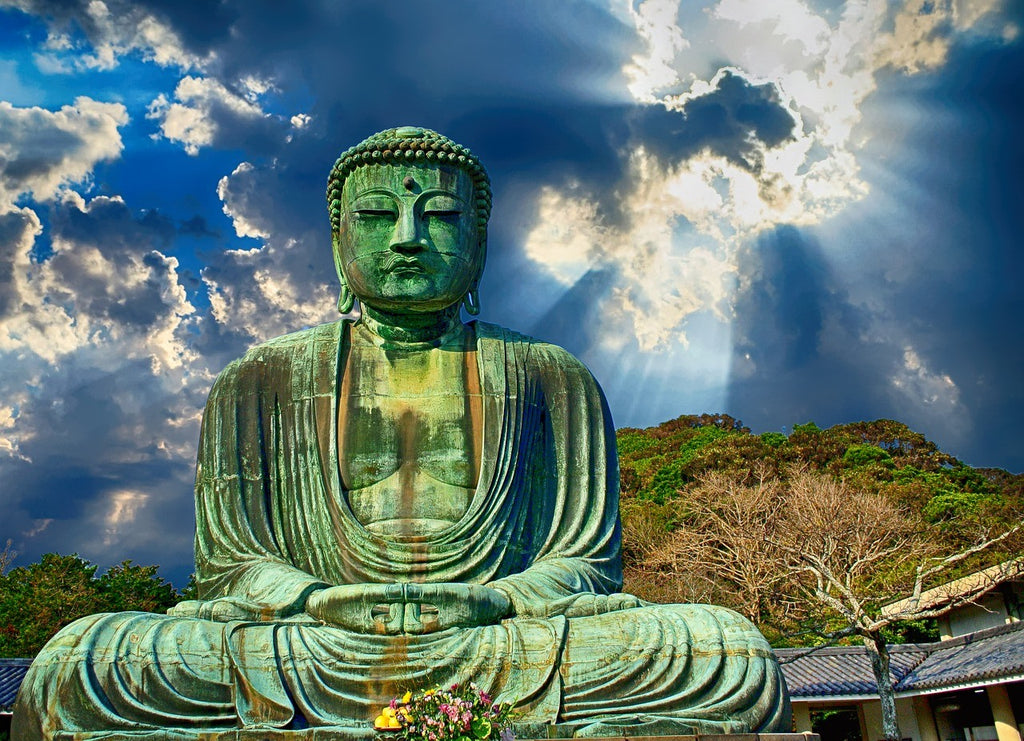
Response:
column 588, row 604
column 392, row 609
column 222, row 609
column 355, row 607
column 456, row 605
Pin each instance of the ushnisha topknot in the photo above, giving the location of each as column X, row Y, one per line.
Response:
column 409, row 144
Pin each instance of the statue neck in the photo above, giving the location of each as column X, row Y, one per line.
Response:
column 413, row 331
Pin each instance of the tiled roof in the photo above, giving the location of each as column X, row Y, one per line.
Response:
column 12, row 671
column 842, row 670
column 845, row 670
column 987, row 654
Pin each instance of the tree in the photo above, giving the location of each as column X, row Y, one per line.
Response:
column 858, row 554
column 808, row 552
column 716, row 552
column 39, row 599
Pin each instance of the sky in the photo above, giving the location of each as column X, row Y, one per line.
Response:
column 790, row 211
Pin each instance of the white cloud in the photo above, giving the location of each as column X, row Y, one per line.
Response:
column 99, row 291
column 112, row 29
column 785, row 20
column 41, row 151
column 100, row 377
column 288, row 281
column 654, row 72
column 687, row 214
column 236, row 212
column 202, row 108
column 122, row 510
column 659, row 281
column 924, row 386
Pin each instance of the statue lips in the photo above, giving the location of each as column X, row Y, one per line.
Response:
column 402, row 264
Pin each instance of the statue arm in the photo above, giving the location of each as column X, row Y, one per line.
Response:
column 578, row 552
column 238, row 558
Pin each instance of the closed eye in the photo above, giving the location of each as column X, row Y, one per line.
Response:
column 445, row 215
column 375, row 212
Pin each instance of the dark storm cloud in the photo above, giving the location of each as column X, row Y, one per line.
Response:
column 523, row 88
column 934, row 257
column 736, row 120
column 959, row 290
column 108, row 227
column 576, row 313
column 197, row 226
column 799, row 350
column 84, row 454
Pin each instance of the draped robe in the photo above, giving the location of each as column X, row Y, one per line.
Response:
column 273, row 524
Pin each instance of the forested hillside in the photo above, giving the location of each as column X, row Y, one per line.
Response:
column 714, row 513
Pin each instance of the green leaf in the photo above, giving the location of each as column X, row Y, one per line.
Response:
column 481, row 727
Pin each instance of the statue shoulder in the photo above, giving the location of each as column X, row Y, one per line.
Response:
column 275, row 358
column 539, row 356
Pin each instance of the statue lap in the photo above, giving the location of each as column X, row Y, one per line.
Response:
column 673, row 668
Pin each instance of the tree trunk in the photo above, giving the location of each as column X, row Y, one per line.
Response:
column 878, row 654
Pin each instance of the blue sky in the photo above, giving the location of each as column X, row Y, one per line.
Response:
column 784, row 211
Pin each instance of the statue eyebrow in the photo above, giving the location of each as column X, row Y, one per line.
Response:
column 375, row 191
column 426, row 194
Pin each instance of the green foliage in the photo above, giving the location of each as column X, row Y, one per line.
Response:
column 774, row 439
column 808, row 428
column 865, row 455
column 127, row 586
column 632, row 441
column 660, row 468
column 955, row 505
column 39, row 599
column 912, row 631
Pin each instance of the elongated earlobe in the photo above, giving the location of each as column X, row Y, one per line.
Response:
column 472, row 301
column 346, row 299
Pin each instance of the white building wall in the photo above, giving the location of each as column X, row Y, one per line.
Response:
column 990, row 612
column 906, row 716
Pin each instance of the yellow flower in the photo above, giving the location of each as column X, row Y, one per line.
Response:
column 407, row 697
column 386, row 721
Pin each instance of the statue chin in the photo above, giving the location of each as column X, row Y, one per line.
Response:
column 395, row 505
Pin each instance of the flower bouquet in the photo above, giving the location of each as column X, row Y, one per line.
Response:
column 459, row 713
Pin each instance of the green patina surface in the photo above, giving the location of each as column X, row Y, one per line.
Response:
column 401, row 501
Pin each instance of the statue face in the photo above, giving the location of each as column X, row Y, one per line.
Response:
column 408, row 237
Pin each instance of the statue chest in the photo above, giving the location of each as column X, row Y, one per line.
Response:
column 409, row 429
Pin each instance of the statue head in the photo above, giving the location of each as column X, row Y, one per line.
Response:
column 408, row 210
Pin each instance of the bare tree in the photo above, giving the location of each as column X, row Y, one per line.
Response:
column 726, row 542
column 7, row 556
column 813, row 551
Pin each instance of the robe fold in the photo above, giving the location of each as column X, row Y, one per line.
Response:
column 273, row 524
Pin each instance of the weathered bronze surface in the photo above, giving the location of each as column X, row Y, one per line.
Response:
column 403, row 501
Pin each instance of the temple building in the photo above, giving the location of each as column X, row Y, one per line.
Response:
column 968, row 686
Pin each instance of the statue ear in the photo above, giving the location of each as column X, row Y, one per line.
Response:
column 346, row 299
column 471, row 301
column 481, row 257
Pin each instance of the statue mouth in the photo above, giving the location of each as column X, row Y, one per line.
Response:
column 398, row 265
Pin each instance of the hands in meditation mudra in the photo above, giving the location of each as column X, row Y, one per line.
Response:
column 405, row 501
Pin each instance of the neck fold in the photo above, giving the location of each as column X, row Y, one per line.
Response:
column 413, row 330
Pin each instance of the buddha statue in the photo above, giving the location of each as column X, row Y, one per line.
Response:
column 403, row 501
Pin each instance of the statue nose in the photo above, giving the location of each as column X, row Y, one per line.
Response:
column 409, row 236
